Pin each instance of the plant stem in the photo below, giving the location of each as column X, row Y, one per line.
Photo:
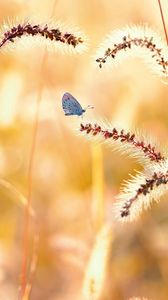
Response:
column 26, row 230
column 30, row 181
column 163, row 21
column 98, row 205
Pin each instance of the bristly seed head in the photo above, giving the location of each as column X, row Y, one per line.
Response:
column 123, row 137
column 139, row 41
column 147, row 187
column 52, row 34
column 143, row 188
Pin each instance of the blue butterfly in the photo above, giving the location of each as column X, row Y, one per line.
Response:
column 71, row 106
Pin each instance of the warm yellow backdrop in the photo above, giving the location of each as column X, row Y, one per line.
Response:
column 74, row 181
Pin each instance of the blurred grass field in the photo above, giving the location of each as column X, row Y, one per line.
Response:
column 75, row 181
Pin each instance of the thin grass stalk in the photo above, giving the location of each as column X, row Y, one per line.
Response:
column 98, row 205
column 33, row 266
column 26, row 229
column 25, row 287
column 163, row 21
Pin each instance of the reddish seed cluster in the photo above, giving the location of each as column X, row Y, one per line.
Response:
column 149, row 151
column 33, row 30
column 144, row 189
column 123, row 137
column 127, row 43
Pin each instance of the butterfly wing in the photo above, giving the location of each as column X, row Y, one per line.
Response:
column 71, row 106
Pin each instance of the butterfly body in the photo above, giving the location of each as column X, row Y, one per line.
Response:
column 79, row 113
column 71, row 106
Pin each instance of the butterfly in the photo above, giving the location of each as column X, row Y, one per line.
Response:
column 71, row 106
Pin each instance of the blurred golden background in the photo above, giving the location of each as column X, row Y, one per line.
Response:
column 74, row 181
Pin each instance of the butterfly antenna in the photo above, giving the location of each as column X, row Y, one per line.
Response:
column 89, row 107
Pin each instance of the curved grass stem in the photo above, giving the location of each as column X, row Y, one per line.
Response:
column 163, row 21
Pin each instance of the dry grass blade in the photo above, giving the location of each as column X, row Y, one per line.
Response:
column 10, row 190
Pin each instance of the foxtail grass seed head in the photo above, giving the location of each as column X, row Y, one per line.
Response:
column 124, row 141
column 135, row 41
column 139, row 192
column 52, row 36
